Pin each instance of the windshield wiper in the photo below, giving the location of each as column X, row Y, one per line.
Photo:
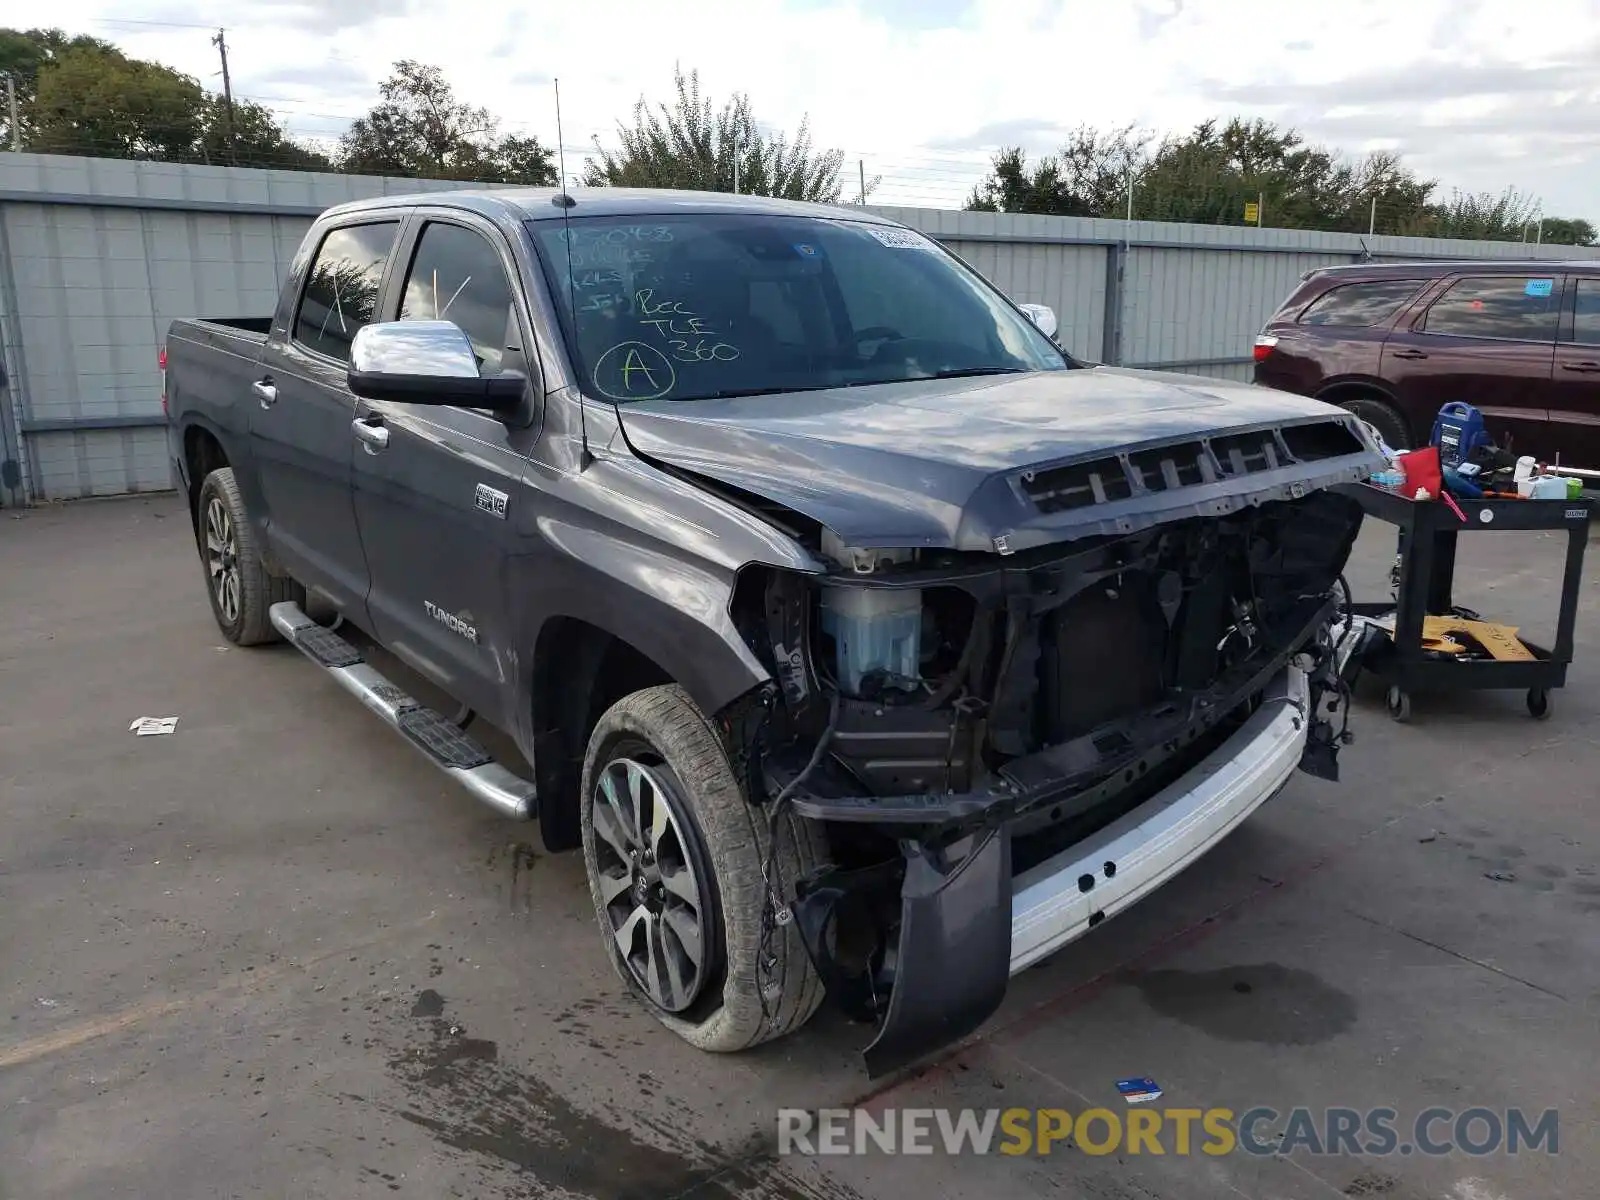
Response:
column 957, row 373
column 735, row 393
column 965, row 372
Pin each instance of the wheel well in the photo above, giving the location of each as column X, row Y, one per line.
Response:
column 1343, row 393
column 202, row 454
column 579, row 671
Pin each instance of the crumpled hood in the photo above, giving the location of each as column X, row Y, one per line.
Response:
column 939, row 463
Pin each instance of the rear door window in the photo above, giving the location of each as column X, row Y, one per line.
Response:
column 341, row 292
column 1516, row 307
column 1360, row 305
column 1586, row 320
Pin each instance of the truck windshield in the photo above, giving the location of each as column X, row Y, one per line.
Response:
column 693, row 307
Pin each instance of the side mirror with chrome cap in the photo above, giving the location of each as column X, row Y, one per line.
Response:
column 427, row 362
column 1043, row 316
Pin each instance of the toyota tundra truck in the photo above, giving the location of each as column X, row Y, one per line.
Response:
column 865, row 643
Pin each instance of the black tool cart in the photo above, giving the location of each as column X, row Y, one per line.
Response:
column 1428, row 531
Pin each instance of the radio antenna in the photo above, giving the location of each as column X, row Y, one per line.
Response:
column 564, row 202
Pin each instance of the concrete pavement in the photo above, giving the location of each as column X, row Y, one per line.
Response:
column 275, row 954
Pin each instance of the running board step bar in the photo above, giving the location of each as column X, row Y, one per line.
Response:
column 449, row 749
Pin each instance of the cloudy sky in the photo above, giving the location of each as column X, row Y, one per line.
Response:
column 1481, row 94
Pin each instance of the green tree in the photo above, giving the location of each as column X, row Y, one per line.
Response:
column 1568, row 231
column 420, row 128
column 254, row 139
column 98, row 102
column 1088, row 178
column 1207, row 175
column 80, row 95
column 1483, row 216
column 686, row 145
column 524, row 160
column 23, row 54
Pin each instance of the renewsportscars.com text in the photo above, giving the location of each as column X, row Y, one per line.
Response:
column 1160, row 1131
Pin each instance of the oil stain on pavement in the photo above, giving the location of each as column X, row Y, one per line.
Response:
column 533, row 1143
column 1263, row 1002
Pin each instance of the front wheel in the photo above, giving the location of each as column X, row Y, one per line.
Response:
column 674, row 855
column 1383, row 417
column 240, row 589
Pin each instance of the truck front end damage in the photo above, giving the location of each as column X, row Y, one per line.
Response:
column 1006, row 748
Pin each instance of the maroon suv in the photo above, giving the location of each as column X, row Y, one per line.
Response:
column 1393, row 342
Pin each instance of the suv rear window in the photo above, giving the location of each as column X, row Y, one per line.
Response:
column 1359, row 305
column 1497, row 306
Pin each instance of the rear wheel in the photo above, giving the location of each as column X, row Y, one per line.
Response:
column 240, row 589
column 1383, row 417
column 674, row 855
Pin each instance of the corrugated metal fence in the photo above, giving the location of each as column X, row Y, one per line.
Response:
column 98, row 256
column 1166, row 296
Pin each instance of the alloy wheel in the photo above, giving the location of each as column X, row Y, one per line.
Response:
column 652, row 881
column 222, row 559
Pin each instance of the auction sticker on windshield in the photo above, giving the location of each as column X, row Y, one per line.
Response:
column 900, row 239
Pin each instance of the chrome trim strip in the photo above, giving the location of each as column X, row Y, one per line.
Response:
column 1165, row 834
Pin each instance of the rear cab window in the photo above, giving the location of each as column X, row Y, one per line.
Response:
column 1508, row 307
column 1360, row 305
column 341, row 289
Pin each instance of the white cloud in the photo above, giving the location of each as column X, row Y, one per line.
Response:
column 1480, row 93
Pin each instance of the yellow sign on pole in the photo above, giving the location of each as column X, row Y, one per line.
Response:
column 1252, row 212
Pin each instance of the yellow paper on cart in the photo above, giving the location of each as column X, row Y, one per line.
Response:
column 1501, row 641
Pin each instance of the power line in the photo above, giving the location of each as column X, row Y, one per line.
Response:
column 136, row 21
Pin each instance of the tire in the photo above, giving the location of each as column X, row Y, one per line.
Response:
column 237, row 584
column 1539, row 705
column 1398, row 702
column 662, row 730
column 1383, row 417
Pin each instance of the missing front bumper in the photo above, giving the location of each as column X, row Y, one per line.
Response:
column 967, row 926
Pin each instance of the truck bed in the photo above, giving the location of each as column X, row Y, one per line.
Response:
column 210, row 365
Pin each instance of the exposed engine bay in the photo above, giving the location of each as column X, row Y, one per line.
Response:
column 928, row 702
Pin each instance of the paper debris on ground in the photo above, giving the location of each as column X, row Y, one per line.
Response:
column 152, row 726
column 1139, row 1090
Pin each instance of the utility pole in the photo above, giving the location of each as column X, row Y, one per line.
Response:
column 1261, row 208
column 221, row 43
column 861, row 170
column 1372, row 222
column 11, row 104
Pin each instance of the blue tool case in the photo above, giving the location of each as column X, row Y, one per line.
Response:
column 1459, row 432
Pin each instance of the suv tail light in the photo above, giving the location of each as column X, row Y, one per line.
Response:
column 1264, row 345
column 161, row 359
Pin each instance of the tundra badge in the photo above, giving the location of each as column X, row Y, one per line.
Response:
column 451, row 622
column 491, row 501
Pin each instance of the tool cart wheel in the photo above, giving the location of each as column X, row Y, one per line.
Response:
column 1539, row 703
column 1398, row 701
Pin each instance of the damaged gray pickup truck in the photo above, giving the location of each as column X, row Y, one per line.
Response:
column 866, row 643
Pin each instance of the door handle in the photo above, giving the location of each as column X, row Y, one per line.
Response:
column 265, row 392
column 373, row 437
column 1410, row 354
column 1582, row 367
